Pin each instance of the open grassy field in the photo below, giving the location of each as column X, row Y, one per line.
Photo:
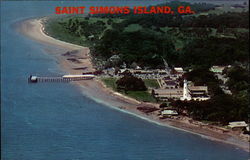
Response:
column 110, row 82
column 141, row 96
column 151, row 83
column 133, row 28
column 56, row 27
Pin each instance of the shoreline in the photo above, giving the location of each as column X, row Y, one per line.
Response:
column 97, row 91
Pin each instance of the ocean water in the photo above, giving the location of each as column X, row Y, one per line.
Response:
column 54, row 121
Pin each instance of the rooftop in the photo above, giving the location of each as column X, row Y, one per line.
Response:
column 198, row 88
column 237, row 124
column 217, row 69
column 169, row 91
column 170, row 83
column 178, row 69
column 169, row 112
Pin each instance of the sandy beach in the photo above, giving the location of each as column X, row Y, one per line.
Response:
column 79, row 57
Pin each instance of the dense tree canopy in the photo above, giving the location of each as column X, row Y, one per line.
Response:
column 130, row 83
column 238, row 79
column 202, row 76
column 145, row 47
column 221, row 108
column 215, row 51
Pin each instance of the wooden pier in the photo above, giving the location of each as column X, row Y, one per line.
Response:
column 65, row 78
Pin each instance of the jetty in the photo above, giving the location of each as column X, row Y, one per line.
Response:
column 65, row 78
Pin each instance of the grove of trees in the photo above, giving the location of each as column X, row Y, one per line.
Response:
column 130, row 83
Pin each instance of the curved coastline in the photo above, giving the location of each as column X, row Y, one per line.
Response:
column 96, row 90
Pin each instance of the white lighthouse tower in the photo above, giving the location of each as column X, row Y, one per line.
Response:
column 186, row 95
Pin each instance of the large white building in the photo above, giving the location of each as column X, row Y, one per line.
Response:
column 199, row 93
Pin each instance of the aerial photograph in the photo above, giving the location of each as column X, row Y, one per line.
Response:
column 125, row 80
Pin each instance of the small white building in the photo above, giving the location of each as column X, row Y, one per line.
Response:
column 91, row 36
column 169, row 112
column 33, row 79
column 218, row 69
column 238, row 125
column 138, row 67
column 179, row 69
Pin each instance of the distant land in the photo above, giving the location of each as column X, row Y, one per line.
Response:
column 217, row 1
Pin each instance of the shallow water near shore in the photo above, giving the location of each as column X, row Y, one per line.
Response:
column 54, row 121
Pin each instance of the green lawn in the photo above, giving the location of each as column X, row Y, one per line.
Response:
column 151, row 83
column 166, row 29
column 242, row 30
column 133, row 28
column 56, row 27
column 110, row 82
column 58, row 31
column 141, row 96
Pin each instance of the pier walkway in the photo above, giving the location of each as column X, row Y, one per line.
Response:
column 65, row 78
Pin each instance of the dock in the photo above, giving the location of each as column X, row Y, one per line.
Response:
column 65, row 78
